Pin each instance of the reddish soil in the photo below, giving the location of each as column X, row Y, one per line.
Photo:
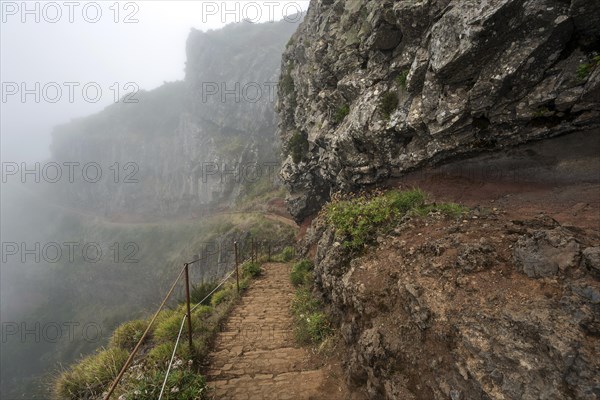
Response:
column 558, row 177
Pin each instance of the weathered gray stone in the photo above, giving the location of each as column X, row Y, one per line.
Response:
column 482, row 75
column 546, row 252
column 591, row 260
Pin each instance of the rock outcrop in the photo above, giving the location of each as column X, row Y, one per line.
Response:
column 443, row 308
column 188, row 146
column 371, row 90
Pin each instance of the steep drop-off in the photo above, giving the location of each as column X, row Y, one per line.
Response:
column 371, row 90
column 190, row 145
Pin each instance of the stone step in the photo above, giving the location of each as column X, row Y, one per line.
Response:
column 261, row 362
column 286, row 386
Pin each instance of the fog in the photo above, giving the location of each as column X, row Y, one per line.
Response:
column 146, row 47
column 60, row 62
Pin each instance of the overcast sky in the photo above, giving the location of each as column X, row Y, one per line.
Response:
column 74, row 51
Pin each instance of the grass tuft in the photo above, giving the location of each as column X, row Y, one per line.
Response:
column 200, row 292
column 356, row 220
column 359, row 219
column 341, row 113
column 402, row 78
column 388, row 104
column 585, row 69
column 128, row 334
column 251, row 269
column 182, row 384
column 301, row 273
column 89, row 378
column 287, row 254
column 221, row 296
column 311, row 324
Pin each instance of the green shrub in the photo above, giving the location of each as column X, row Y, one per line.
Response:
column 160, row 355
column 89, row 377
column 311, row 324
column 168, row 329
column 341, row 113
column 301, row 273
column 357, row 220
column 288, row 254
column 389, row 103
column 222, row 296
column 304, row 303
column 287, row 84
column 128, row 334
column 251, row 269
column 297, row 147
column 318, row 327
column 401, row 79
column 585, row 69
column 182, row 384
column 244, row 283
column 200, row 312
column 199, row 292
column 405, row 201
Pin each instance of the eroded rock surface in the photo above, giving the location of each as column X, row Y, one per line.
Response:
column 446, row 308
column 379, row 88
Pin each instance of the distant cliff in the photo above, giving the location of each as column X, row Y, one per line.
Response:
column 190, row 145
column 371, row 90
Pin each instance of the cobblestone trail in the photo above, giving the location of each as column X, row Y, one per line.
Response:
column 255, row 356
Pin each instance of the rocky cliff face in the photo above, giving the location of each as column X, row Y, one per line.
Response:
column 479, row 307
column 371, row 90
column 451, row 318
column 186, row 146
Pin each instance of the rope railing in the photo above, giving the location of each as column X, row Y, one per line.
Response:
column 181, row 331
column 162, row 389
column 187, row 316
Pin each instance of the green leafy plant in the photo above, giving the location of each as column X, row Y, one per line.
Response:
column 402, row 78
column 389, row 103
column 585, row 69
column 301, row 273
column 341, row 113
column 182, row 384
column 222, row 296
column 251, row 269
column 287, row 254
column 200, row 292
column 297, row 147
column 311, row 324
column 356, row 220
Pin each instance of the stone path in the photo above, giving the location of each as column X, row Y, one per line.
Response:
column 255, row 356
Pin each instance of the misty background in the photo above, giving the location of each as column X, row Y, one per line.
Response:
column 148, row 50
